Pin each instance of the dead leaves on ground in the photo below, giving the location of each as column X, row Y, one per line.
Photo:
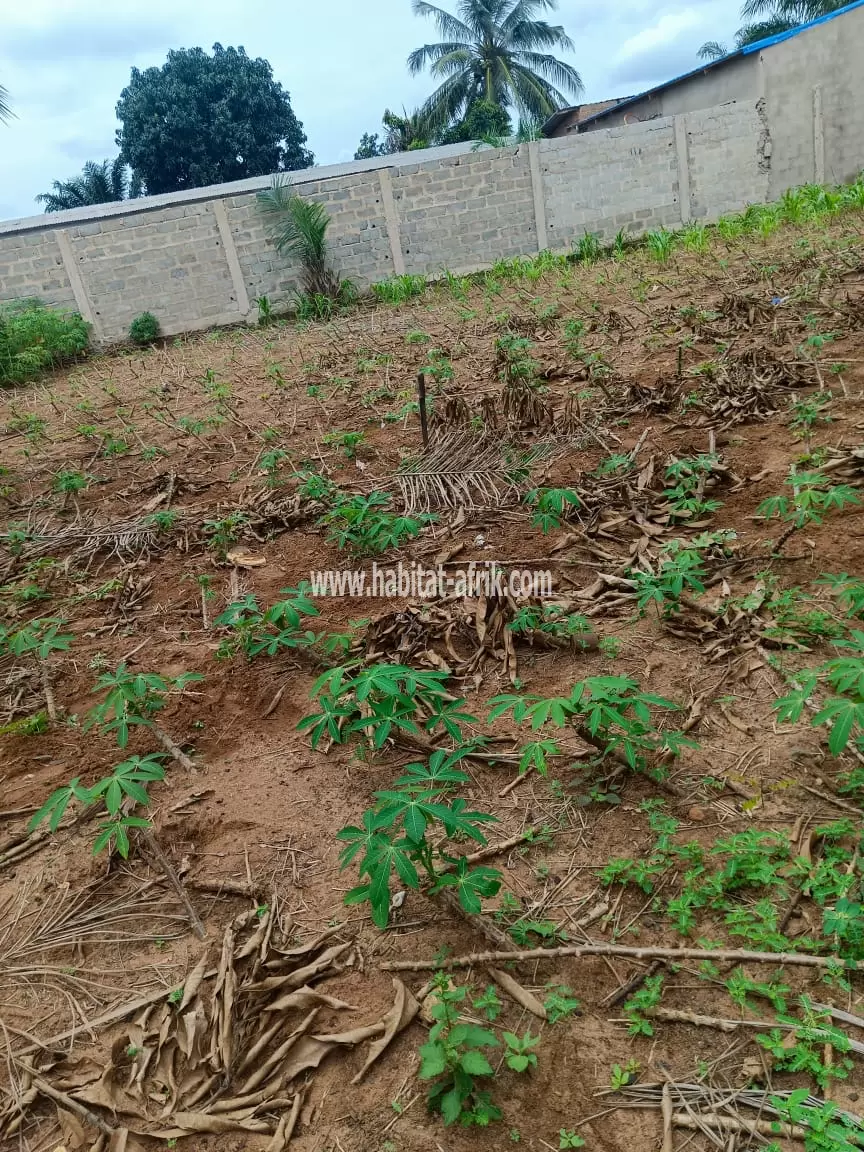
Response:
column 229, row 1053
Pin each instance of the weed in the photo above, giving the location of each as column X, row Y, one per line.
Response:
column 349, row 442
column 637, row 1009
column 587, row 249
column 399, row 289
column 454, row 1058
column 438, row 366
column 803, row 1049
column 559, row 1002
column 70, row 480
column 489, row 1004
column 34, row 339
column 520, row 1055
column 144, row 329
column 622, row 1075
column 417, row 336
column 695, row 237
column 570, row 1138
column 660, row 243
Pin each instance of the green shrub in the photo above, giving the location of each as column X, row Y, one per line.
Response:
column 34, row 339
column 144, row 329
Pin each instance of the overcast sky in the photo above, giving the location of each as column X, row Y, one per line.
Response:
column 65, row 62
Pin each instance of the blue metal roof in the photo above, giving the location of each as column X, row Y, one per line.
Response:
column 758, row 46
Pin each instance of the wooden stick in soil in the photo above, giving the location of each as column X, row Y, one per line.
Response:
column 421, row 402
column 170, row 747
column 732, row 1124
column 174, row 880
column 577, row 951
column 636, row 981
column 48, row 692
column 68, row 1103
column 666, row 1106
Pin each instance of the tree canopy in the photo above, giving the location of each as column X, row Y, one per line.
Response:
column 202, row 119
column 493, row 51
column 97, row 184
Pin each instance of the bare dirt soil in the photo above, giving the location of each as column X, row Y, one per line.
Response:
column 704, row 355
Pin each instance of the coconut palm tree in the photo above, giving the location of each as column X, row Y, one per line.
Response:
column 494, row 51
column 98, row 184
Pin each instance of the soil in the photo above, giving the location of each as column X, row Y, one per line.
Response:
column 192, row 421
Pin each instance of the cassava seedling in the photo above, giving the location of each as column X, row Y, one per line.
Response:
column 395, row 836
column 272, row 631
column 135, row 698
column 39, row 639
column 608, row 711
column 380, row 701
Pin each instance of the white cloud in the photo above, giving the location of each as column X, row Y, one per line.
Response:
column 667, row 29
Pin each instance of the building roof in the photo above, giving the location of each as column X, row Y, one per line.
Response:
column 581, row 111
column 757, row 46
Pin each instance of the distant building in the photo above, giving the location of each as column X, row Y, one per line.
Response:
column 568, row 119
column 812, row 75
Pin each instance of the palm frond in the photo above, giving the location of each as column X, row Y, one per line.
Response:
column 462, row 470
column 452, row 62
column 5, row 109
column 449, row 101
column 430, row 54
column 761, row 29
column 535, row 34
column 561, row 76
column 448, row 25
column 712, row 50
column 523, row 11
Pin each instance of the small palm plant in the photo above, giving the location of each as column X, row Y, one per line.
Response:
column 298, row 227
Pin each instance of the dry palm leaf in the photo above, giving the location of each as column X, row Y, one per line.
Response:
column 463, row 470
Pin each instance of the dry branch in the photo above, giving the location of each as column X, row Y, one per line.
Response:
column 577, row 951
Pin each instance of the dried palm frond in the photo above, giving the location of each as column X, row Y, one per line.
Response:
column 524, row 406
column 452, row 410
column 463, row 470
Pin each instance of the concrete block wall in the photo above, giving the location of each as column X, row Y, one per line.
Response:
column 814, row 100
column 31, row 264
column 465, row 212
column 358, row 234
column 726, row 160
column 605, row 181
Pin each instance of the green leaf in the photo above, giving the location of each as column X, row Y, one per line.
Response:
column 433, row 1060
column 475, row 1064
